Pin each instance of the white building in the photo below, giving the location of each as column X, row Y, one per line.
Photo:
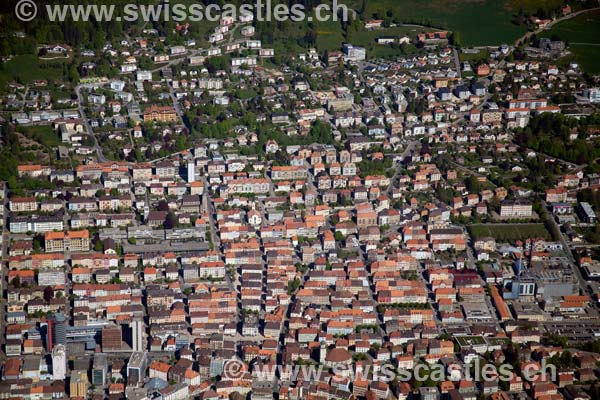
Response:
column 137, row 328
column 191, row 171
column 354, row 53
column 593, row 95
column 144, row 76
column 59, row 362
column 117, row 86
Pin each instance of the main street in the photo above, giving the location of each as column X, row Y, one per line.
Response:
column 86, row 122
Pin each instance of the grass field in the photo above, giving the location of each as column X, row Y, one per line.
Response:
column 27, row 68
column 368, row 39
column 482, row 56
column 470, row 340
column 478, row 22
column 509, row 232
column 583, row 35
column 329, row 35
column 532, row 6
column 43, row 134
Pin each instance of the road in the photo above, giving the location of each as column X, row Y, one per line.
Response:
column 457, row 63
column 3, row 266
column 175, row 102
column 412, row 146
column 86, row 122
column 207, row 205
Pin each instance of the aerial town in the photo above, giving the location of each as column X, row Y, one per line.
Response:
column 179, row 219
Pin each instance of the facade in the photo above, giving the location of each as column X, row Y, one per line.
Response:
column 160, row 114
column 99, row 369
column 136, row 368
column 67, row 241
column 516, row 209
column 137, row 333
column 59, row 362
column 79, row 384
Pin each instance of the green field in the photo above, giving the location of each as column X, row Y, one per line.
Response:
column 27, row 68
column 583, row 35
column 470, row 340
column 532, row 6
column 478, row 22
column 329, row 35
column 482, row 56
column 43, row 134
column 509, row 232
column 368, row 39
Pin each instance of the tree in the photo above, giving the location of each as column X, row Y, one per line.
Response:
column 456, row 39
column 48, row 293
column 594, row 391
column 163, row 206
column 170, row 221
column 74, row 75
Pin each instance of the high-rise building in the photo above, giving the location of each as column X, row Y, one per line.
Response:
column 59, row 362
column 57, row 330
column 79, row 384
column 137, row 333
column 191, row 171
column 99, row 369
column 136, row 368
column 112, row 338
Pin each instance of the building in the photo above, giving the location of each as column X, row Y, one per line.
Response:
column 354, row 53
column 57, row 331
column 23, row 204
column 516, row 209
column 191, row 171
column 99, row 369
column 137, row 333
column 136, row 368
column 160, row 114
column 586, row 213
column 79, row 384
column 593, row 95
column 75, row 241
column 112, row 338
column 59, row 362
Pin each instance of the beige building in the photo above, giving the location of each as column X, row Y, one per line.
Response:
column 516, row 209
column 79, row 384
column 70, row 241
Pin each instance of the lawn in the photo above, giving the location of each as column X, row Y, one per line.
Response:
column 583, row 35
column 329, row 35
column 474, row 58
column 43, row 134
column 27, row 68
column 368, row 39
column 509, row 232
column 532, row 6
column 470, row 340
column 478, row 22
